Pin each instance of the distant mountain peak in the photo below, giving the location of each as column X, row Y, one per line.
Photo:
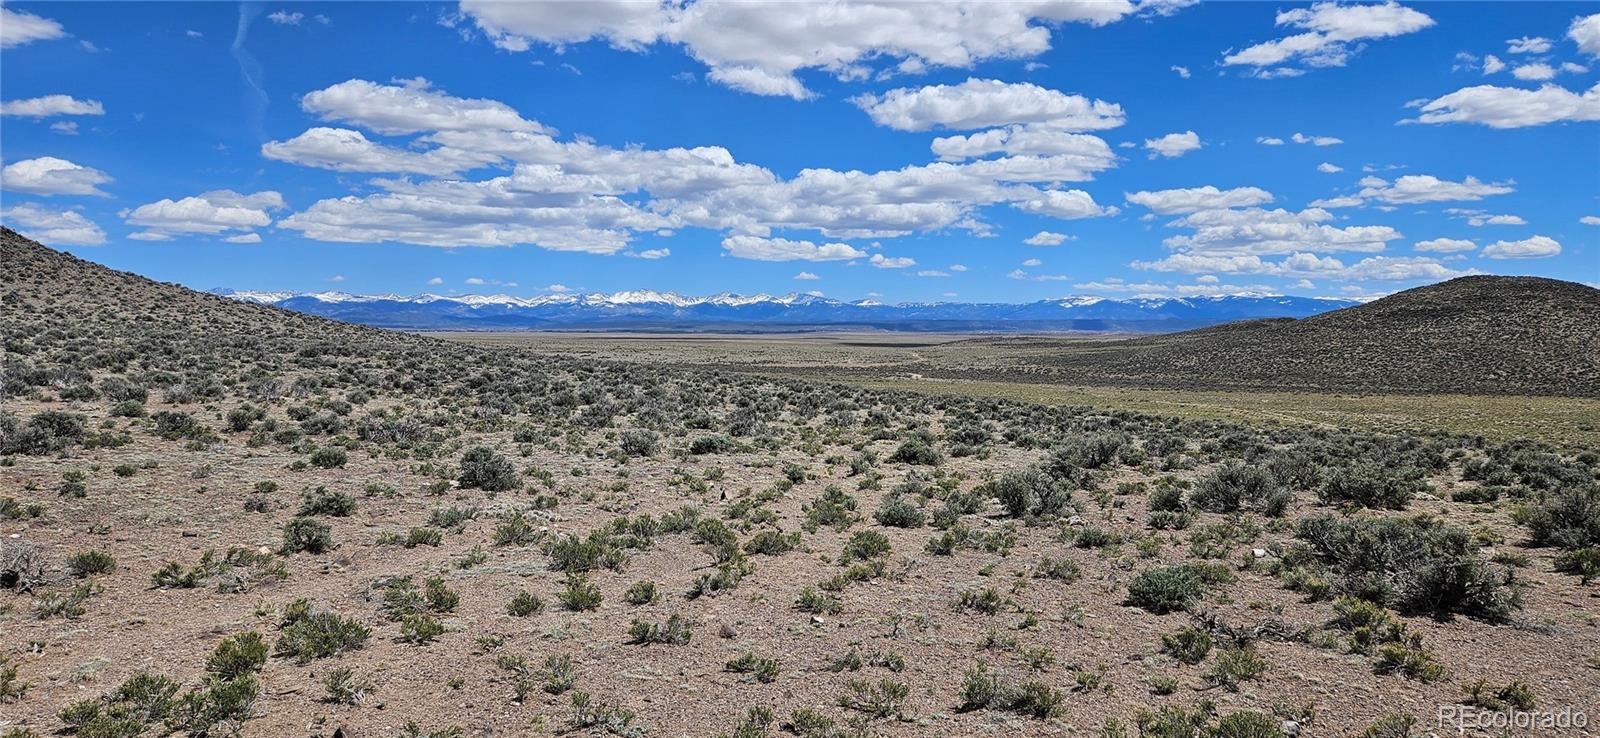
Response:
column 672, row 311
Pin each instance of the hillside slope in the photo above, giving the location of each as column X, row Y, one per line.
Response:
column 1482, row 334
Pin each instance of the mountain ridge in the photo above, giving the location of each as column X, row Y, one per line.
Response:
column 672, row 311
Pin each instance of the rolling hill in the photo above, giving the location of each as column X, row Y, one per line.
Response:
column 1472, row 335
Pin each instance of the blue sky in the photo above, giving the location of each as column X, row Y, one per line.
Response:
column 955, row 152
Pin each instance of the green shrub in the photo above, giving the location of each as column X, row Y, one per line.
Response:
column 70, row 605
column 711, row 445
column 1372, row 485
column 864, row 545
column 217, row 708
column 1410, row 659
column 85, row 563
column 987, row 601
column 580, row 594
column 420, row 628
column 482, row 468
column 174, row 426
column 1568, row 517
column 142, row 701
column 755, row 723
column 308, row 635
column 898, row 512
column 1415, row 565
column 174, row 576
column 1167, row 495
column 1061, row 570
column 307, row 534
column 983, row 689
column 515, row 530
column 595, row 551
column 1234, row 666
column 12, row 689
column 322, row 501
column 818, row 603
column 727, row 576
column 1247, row 724
column 1164, row 589
column 1234, row 487
column 1171, row 721
column 881, row 699
column 1032, row 492
column 401, row 597
column 917, row 451
column 44, row 433
column 835, row 508
column 639, row 442
column 675, row 631
column 345, row 688
column 771, row 543
column 329, row 457
column 642, row 593
column 525, row 603
column 587, row 713
column 762, row 669
column 1093, row 450
column 560, row 673
column 1391, row 726
column 1189, row 645
column 238, row 655
column 1583, row 562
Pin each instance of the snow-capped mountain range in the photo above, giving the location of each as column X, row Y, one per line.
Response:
column 651, row 310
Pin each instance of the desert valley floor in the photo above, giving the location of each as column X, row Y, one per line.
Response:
column 223, row 518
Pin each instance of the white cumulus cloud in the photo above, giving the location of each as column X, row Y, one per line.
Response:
column 751, row 48
column 18, row 27
column 1511, row 107
column 1419, row 188
column 1585, row 32
column 411, row 107
column 1192, row 199
column 1445, row 245
column 1528, row 45
column 1534, row 247
column 53, row 227
column 48, row 175
column 1332, row 32
column 50, row 106
column 986, row 103
column 208, row 213
column 1045, row 238
column 1173, row 144
column 783, row 249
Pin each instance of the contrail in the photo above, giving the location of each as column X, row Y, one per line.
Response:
column 249, row 68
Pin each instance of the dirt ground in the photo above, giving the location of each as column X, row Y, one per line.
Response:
column 181, row 502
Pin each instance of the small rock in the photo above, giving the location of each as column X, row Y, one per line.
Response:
column 1075, row 520
column 1290, row 728
column 816, row 620
column 1259, row 553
